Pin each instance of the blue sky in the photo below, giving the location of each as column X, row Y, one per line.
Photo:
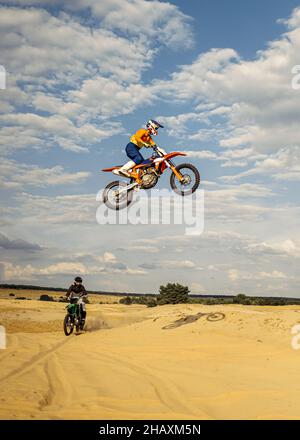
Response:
column 83, row 75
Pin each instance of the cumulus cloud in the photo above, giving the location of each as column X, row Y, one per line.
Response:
column 282, row 165
column 258, row 106
column 79, row 74
column 17, row 272
column 286, row 248
column 177, row 264
column 36, row 176
column 108, row 97
column 237, row 275
column 55, row 210
column 35, row 131
column 50, row 49
column 160, row 21
column 55, row 65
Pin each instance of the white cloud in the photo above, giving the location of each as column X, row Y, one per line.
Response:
column 40, row 132
column 287, row 248
column 282, row 165
column 202, row 154
column 36, row 176
column 109, row 257
column 109, row 97
column 177, row 264
column 160, row 21
column 57, row 65
column 55, row 210
column 38, row 45
column 261, row 112
column 17, row 272
column 236, row 157
column 237, row 275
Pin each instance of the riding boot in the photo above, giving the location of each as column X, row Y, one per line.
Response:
column 82, row 321
column 123, row 171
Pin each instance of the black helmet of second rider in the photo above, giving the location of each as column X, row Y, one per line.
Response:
column 77, row 288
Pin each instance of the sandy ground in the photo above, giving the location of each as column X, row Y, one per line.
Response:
column 168, row 362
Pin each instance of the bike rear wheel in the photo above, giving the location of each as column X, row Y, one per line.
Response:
column 217, row 316
column 116, row 201
column 68, row 325
column 191, row 179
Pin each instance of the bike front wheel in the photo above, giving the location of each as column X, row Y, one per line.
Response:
column 190, row 182
column 68, row 325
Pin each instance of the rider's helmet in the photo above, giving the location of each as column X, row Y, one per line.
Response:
column 153, row 126
column 78, row 280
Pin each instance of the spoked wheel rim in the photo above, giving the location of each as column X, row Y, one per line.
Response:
column 190, row 180
column 115, row 197
column 68, row 325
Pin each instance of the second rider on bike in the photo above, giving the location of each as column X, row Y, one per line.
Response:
column 77, row 290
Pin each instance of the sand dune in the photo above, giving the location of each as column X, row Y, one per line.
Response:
column 169, row 362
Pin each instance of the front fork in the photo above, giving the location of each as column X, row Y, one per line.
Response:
column 171, row 165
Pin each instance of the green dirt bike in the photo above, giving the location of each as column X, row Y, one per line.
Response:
column 73, row 317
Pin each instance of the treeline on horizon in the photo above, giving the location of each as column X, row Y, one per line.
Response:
column 61, row 289
column 173, row 293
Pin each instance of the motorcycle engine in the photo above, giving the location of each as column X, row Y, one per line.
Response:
column 149, row 178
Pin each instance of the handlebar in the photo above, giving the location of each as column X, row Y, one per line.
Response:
column 155, row 148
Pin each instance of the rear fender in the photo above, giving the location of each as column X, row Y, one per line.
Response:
column 108, row 170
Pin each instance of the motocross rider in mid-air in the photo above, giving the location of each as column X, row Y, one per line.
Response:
column 142, row 138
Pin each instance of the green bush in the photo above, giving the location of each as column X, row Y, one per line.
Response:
column 239, row 299
column 141, row 299
column 126, row 300
column 151, row 302
column 46, row 298
column 173, row 293
column 211, row 301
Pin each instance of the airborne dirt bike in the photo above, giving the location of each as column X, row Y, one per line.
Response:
column 73, row 317
column 184, row 180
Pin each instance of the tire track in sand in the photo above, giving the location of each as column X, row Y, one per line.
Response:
column 60, row 392
column 31, row 363
column 168, row 394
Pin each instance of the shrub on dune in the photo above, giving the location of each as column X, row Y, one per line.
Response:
column 173, row 293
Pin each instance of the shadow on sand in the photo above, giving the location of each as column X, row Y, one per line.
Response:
column 189, row 319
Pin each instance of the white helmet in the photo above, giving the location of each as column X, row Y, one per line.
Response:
column 153, row 126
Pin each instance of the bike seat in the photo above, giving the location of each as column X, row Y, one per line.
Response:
column 145, row 162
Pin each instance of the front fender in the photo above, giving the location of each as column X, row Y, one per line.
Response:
column 174, row 154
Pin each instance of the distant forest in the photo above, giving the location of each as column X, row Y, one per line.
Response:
column 209, row 299
column 60, row 289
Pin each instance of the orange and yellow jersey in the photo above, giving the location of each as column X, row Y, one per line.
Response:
column 142, row 138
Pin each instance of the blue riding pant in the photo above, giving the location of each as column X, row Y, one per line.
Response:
column 133, row 153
